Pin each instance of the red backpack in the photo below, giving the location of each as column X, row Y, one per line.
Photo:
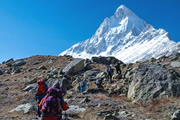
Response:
column 41, row 88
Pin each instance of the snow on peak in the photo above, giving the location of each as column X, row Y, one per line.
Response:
column 125, row 36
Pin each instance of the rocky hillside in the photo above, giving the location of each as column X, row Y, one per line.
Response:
column 146, row 90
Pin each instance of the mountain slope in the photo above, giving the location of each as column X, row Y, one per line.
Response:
column 127, row 37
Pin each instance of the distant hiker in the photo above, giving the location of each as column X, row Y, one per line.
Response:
column 117, row 66
column 118, row 70
column 109, row 71
column 51, row 105
column 83, row 85
column 99, row 83
column 40, row 92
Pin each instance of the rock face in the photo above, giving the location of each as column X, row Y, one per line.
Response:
column 105, row 60
column 154, row 81
column 74, row 66
column 90, row 75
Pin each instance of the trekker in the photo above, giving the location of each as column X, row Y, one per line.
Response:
column 109, row 71
column 40, row 92
column 51, row 105
column 83, row 85
column 117, row 66
column 118, row 70
column 99, row 83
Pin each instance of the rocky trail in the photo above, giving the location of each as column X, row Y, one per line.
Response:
column 147, row 90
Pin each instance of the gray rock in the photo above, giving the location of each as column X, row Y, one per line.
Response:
column 101, row 75
column 77, row 88
column 176, row 115
column 53, row 73
column 90, row 75
column 110, row 117
column 154, row 81
column 175, row 64
column 105, row 60
column 15, row 70
column 74, row 66
column 24, row 107
column 37, row 62
column 42, row 67
column 85, row 100
column 75, row 109
column 53, row 82
column 29, row 87
column 30, row 69
column 34, row 80
column 18, row 62
column 9, row 62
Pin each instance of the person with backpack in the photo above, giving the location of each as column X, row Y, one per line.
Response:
column 83, row 85
column 117, row 66
column 118, row 70
column 52, row 104
column 40, row 92
column 99, row 83
column 109, row 71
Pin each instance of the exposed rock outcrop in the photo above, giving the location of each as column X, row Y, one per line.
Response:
column 154, row 81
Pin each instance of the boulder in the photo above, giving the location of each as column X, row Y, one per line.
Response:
column 175, row 64
column 74, row 66
column 75, row 109
column 18, row 62
column 52, row 82
column 34, row 80
column 152, row 81
column 101, row 75
column 24, row 107
column 110, row 117
column 29, row 87
column 15, row 70
column 90, row 75
column 176, row 115
column 42, row 67
column 37, row 62
column 9, row 62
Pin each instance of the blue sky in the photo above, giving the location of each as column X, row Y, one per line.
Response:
column 48, row 27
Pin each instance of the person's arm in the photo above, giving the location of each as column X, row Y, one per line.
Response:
column 35, row 90
column 46, row 86
column 40, row 104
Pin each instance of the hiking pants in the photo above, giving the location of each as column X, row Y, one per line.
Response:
column 109, row 77
column 38, row 110
column 83, row 89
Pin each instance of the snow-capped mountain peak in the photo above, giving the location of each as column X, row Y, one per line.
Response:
column 127, row 37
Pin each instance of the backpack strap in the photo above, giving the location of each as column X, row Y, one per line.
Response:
column 59, row 106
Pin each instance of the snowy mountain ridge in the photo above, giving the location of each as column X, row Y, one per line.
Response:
column 127, row 37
